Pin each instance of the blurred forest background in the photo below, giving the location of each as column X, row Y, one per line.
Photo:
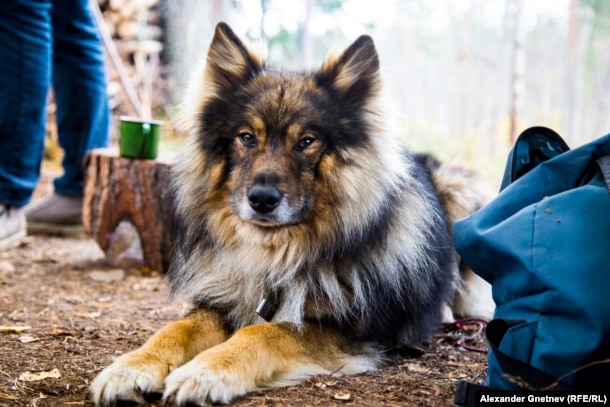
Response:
column 467, row 75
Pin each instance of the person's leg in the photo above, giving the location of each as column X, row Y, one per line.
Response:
column 25, row 53
column 82, row 115
column 79, row 83
column 25, row 58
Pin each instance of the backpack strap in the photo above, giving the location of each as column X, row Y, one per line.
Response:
column 466, row 393
column 534, row 377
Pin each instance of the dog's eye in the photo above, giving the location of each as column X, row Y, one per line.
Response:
column 247, row 139
column 304, row 143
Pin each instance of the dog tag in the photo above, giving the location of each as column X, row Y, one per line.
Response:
column 269, row 305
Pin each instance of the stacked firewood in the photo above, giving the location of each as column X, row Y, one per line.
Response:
column 133, row 20
column 134, row 36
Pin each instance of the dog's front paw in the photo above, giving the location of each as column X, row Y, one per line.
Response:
column 203, row 381
column 133, row 377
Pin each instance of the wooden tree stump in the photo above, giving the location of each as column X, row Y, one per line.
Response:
column 126, row 207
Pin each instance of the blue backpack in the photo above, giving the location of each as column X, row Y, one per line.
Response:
column 544, row 245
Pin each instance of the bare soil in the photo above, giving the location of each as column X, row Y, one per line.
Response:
column 65, row 314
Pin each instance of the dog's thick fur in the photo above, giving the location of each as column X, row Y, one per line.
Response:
column 295, row 185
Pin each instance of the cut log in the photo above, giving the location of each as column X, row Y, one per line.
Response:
column 126, row 208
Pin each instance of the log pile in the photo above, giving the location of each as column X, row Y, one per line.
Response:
column 134, row 31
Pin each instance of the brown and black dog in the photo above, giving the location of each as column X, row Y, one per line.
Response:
column 307, row 238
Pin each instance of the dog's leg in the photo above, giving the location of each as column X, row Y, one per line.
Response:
column 264, row 355
column 473, row 297
column 141, row 372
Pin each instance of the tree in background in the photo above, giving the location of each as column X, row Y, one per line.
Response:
column 467, row 76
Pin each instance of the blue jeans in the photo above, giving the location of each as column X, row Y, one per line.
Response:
column 44, row 44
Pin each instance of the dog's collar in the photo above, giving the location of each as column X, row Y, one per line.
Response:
column 270, row 304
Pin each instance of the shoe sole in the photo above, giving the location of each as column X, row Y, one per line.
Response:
column 12, row 241
column 51, row 229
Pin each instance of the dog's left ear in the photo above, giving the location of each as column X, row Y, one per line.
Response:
column 353, row 74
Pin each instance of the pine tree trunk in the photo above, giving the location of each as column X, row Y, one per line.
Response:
column 518, row 69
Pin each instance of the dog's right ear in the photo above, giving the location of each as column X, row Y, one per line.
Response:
column 229, row 64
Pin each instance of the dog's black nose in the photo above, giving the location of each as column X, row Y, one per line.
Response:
column 264, row 198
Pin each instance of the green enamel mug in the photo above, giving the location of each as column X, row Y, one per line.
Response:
column 139, row 138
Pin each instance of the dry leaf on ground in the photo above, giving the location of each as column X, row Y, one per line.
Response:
column 37, row 376
column 14, row 329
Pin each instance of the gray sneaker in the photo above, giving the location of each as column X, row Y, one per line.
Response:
column 12, row 226
column 56, row 215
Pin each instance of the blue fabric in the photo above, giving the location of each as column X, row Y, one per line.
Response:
column 544, row 245
column 46, row 44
